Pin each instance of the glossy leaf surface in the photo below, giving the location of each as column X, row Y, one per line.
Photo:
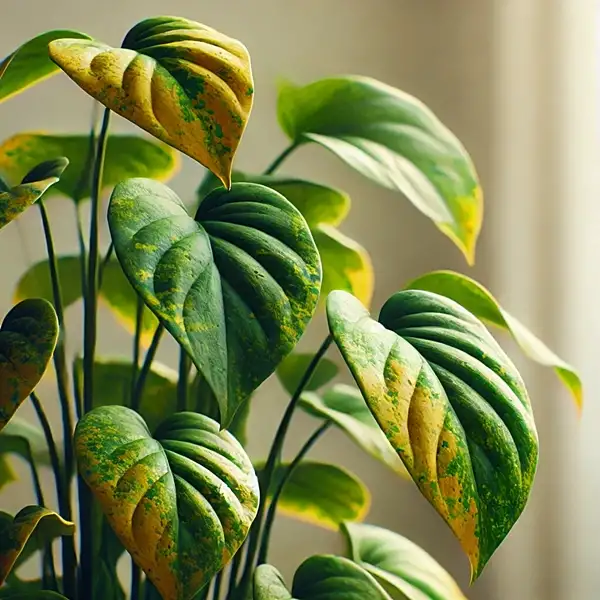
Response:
column 186, row 84
column 394, row 140
column 323, row 494
column 35, row 525
column 35, row 183
column 181, row 502
column 479, row 301
column 29, row 64
column 27, row 339
column 236, row 286
column 345, row 407
column 346, row 264
column 451, row 403
column 403, row 568
column 292, row 368
column 126, row 156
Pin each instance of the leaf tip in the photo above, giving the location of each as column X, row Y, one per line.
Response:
column 49, row 169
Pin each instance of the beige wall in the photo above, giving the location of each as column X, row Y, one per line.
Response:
column 492, row 71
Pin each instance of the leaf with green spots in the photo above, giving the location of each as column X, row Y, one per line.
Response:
column 452, row 405
column 345, row 407
column 323, row 494
column 479, row 301
column 31, row 529
column 186, row 84
column 394, row 140
column 180, row 502
column 29, row 64
column 346, row 264
column 35, row 183
column 292, row 368
column 236, row 286
column 116, row 291
column 27, row 340
column 126, row 156
column 404, row 569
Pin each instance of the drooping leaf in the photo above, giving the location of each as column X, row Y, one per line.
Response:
column 27, row 339
column 236, row 286
column 323, row 494
column 344, row 406
column 126, row 156
column 479, row 301
column 451, row 403
column 116, row 291
column 292, row 368
column 181, row 502
column 346, row 264
column 403, row 568
column 394, row 140
column 29, row 64
column 268, row 584
column 20, row 197
column 186, row 84
column 34, row 525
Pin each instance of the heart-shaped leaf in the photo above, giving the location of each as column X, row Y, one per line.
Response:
column 116, row 291
column 479, row 301
column 394, row 140
column 345, row 407
column 346, row 264
column 181, row 502
column 34, row 525
column 34, row 184
column 451, row 403
column 268, row 584
column 186, row 84
column 236, row 286
column 292, row 368
column 323, row 494
column 126, row 156
column 29, row 64
column 403, row 568
column 27, row 339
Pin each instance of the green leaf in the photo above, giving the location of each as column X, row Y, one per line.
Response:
column 186, row 84
column 403, row 568
column 292, row 368
column 181, row 503
column 345, row 407
column 27, row 339
column 116, row 291
column 236, row 286
column 451, row 403
column 126, row 156
column 29, row 64
column 31, row 529
column 346, row 264
column 323, row 494
column 35, row 183
column 7, row 473
column 268, row 584
column 394, row 140
column 479, row 301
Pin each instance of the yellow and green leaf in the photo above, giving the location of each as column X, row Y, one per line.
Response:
column 452, row 405
column 186, row 84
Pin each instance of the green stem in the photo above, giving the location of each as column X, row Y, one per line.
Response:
column 145, row 370
column 139, row 314
column 136, row 581
column 89, row 351
column 82, row 250
column 183, row 381
column 270, row 519
column 217, row 585
column 271, row 464
column 277, row 162
column 234, row 571
column 104, row 264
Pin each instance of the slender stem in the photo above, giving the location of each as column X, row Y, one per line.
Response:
column 217, row 585
column 104, row 263
column 270, row 519
column 277, row 162
column 136, row 581
column 145, row 370
column 77, row 391
column 234, row 571
column 139, row 314
column 89, row 346
column 271, row 464
column 82, row 250
column 183, row 381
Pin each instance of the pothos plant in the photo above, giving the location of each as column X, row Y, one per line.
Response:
column 157, row 456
